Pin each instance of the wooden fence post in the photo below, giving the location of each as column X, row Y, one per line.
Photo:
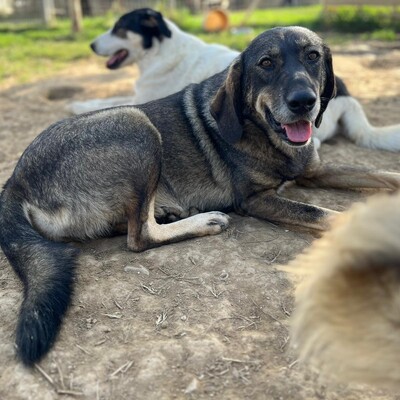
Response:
column 75, row 13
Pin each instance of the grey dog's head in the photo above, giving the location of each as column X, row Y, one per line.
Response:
column 283, row 82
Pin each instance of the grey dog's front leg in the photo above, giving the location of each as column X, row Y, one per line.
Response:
column 268, row 205
column 349, row 177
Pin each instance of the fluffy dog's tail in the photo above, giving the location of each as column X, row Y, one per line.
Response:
column 357, row 127
column 46, row 269
column 347, row 318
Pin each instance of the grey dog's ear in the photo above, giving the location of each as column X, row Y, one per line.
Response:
column 329, row 91
column 225, row 107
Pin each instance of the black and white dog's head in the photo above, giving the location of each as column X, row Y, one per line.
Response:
column 283, row 82
column 130, row 37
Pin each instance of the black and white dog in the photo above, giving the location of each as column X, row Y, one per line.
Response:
column 170, row 59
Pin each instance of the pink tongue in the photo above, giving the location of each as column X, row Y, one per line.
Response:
column 299, row 131
column 112, row 60
column 118, row 56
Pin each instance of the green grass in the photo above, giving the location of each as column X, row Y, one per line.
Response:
column 29, row 51
column 388, row 35
column 258, row 21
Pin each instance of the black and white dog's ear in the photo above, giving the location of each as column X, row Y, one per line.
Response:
column 153, row 25
column 329, row 90
column 226, row 105
column 162, row 26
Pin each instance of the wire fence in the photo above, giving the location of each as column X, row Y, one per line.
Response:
column 42, row 10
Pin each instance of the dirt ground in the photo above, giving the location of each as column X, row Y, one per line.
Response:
column 205, row 318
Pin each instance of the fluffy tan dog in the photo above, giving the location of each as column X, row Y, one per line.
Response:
column 347, row 318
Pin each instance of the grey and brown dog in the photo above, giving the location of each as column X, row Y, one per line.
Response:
column 227, row 143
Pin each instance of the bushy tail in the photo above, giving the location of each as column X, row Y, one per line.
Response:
column 46, row 269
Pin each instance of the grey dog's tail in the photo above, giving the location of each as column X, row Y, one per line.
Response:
column 46, row 270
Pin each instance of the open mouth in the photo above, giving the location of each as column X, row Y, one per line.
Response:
column 298, row 132
column 295, row 133
column 117, row 59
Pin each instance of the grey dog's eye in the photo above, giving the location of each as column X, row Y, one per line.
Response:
column 265, row 63
column 313, row 55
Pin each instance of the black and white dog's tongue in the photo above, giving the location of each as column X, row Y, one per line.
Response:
column 299, row 131
column 115, row 60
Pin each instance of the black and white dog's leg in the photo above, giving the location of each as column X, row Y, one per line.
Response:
column 346, row 114
column 80, row 107
column 357, row 128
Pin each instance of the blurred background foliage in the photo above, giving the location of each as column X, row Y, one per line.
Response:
column 29, row 49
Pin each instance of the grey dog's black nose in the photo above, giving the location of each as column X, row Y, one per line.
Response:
column 301, row 101
column 93, row 47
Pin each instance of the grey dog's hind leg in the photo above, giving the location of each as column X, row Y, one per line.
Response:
column 144, row 232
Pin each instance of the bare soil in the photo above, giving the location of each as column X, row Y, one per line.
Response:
column 205, row 318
